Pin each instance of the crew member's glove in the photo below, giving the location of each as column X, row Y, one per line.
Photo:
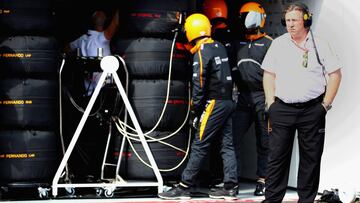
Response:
column 194, row 120
column 266, row 112
column 266, row 118
column 195, row 123
column 265, row 115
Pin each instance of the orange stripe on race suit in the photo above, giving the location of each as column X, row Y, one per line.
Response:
column 201, row 69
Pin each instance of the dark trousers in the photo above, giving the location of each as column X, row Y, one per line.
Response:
column 309, row 121
column 250, row 109
column 216, row 121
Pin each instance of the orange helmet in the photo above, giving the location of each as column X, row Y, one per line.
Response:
column 254, row 7
column 215, row 9
column 197, row 25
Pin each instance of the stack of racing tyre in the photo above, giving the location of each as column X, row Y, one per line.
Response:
column 29, row 63
column 152, row 46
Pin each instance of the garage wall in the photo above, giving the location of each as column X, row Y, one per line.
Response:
column 339, row 22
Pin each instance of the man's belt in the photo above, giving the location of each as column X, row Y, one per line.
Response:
column 302, row 104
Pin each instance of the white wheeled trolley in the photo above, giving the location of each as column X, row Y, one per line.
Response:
column 109, row 65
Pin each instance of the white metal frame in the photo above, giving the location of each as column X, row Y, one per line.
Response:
column 109, row 65
column 61, row 119
column 117, row 165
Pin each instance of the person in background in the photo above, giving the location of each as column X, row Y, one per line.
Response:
column 251, row 98
column 212, row 107
column 217, row 12
column 95, row 43
column 302, row 75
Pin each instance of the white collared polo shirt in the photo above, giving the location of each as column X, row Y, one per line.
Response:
column 295, row 83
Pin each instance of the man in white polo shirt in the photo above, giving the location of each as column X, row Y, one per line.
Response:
column 301, row 78
column 96, row 43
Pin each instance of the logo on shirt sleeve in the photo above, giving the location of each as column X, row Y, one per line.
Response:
column 260, row 45
column 217, row 60
column 225, row 59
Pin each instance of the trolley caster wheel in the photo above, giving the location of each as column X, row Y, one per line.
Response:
column 109, row 192
column 70, row 191
column 3, row 192
column 43, row 192
column 98, row 192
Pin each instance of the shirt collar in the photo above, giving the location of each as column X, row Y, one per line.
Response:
column 200, row 42
column 303, row 44
column 92, row 32
column 254, row 37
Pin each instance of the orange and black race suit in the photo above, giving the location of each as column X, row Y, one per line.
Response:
column 251, row 98
column 213, row 105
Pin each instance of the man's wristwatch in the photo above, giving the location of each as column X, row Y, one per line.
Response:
column 327, row 106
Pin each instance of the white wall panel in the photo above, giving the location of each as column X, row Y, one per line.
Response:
column 339, row 22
